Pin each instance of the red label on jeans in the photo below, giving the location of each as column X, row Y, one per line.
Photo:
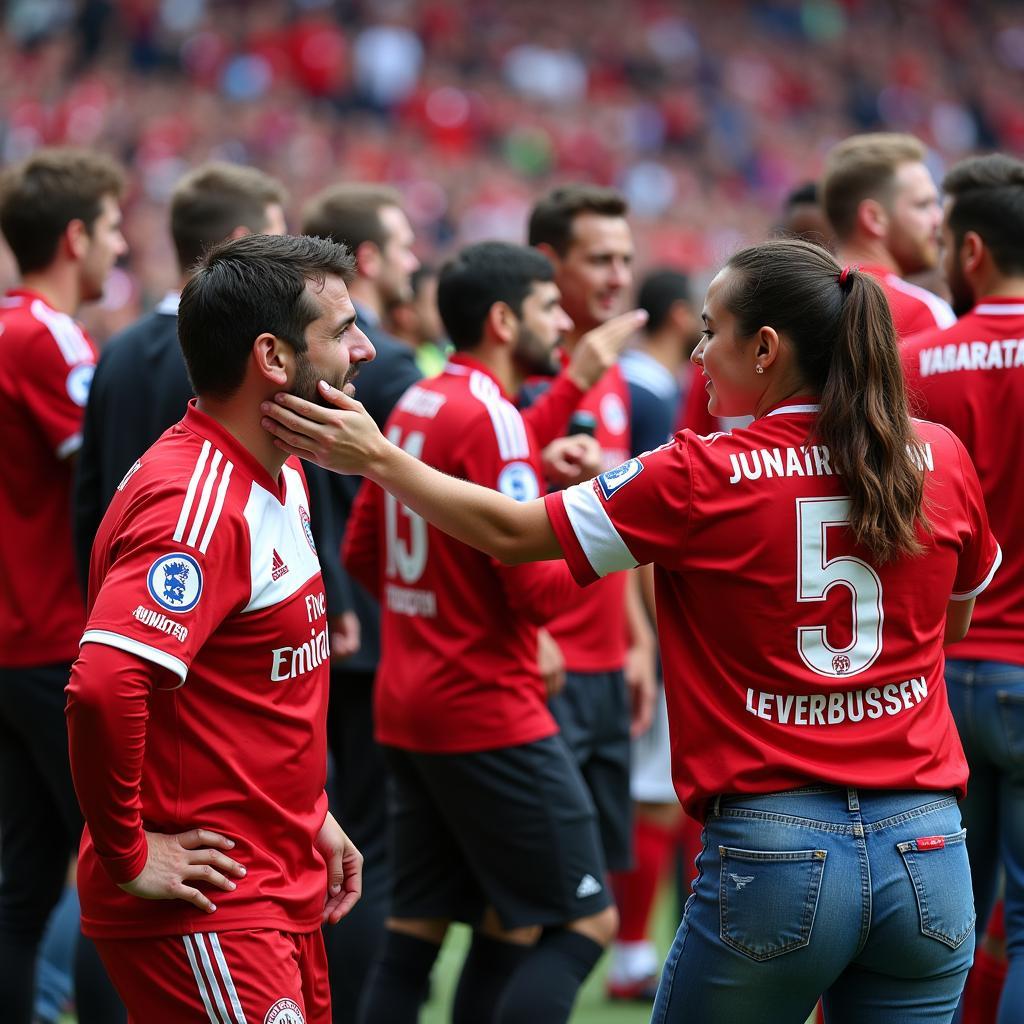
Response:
column 931, row 843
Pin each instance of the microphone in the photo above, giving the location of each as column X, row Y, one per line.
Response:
column 582, row 422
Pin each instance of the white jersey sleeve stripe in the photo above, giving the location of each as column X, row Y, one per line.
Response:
column 204, row 498
column 186, row 506
column 66, row 333
column 941, row 311
column 601, row 543
column 136, row 647
column 984, row 583
column 508, row 425
column 204, row 956
column 217, row 506
column 229, row 982
column 200, row 983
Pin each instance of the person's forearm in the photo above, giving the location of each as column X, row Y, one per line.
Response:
column 508, row 530
column 107, row 712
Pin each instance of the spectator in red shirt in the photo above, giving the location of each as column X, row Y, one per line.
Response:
column 60, row 214
column 884, row 208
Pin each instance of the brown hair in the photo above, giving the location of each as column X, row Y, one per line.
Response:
column 846, row 348
column 40, row 196
column 552, row 218
column 214, row 199
column 864, row 167
column 350, row 214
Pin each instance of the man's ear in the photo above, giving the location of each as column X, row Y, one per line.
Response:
column 274, row 359
column 502, row 322
column 547, row 250
column 368, row 260
column 972, row 251
column 872, row 218
column 76, row 238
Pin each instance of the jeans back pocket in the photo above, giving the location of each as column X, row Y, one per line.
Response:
column 941, row 877
column 767, row 899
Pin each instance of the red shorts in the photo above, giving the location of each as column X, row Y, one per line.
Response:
column 234, row 977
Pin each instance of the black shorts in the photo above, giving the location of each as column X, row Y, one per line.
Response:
column 512, row 828
column 593, row 713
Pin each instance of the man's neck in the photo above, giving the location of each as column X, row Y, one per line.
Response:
column 999, row 287
column 364, row 294
column 665, row 348
column 240, row 417
column 59, row 289
column 502, row 364
column 866, row 252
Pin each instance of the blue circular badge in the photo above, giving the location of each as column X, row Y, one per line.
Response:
column 175, row 582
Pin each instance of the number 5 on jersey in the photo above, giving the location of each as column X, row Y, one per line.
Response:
column 817, row 574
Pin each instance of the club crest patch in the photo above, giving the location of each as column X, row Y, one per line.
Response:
column 518, row 481
column 617, row 478
column 284, row 1011
column 613, row 412
column 175, row 582
column 307, row 528
column 78, row 382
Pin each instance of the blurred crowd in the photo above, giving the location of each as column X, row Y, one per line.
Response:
column 704, row 115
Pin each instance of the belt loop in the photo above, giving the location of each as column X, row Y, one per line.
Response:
column 716, row 804
column 852, row 800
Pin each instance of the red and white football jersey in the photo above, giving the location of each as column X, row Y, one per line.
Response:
column 205, row 566
column 593, row 632
column 971, row 378
column 913, row 308
column 789, row 657
column 458, row 670
column 46, row 367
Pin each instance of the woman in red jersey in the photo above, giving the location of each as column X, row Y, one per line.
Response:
column 809, row 569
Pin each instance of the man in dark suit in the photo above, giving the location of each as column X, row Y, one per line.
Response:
column 141, row 387
column 369, row 219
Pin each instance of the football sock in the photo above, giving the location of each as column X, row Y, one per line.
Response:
column 399, row 980
column 489, row 965
column 545, row 986
column 635, row 890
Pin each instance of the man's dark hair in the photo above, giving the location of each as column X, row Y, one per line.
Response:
column 660, row 291
column 481, row 275
column 988, row 197
column 214, row 199
column 40, row 196
column 806, row 194
column 350, row 214
column 552, row 218
column 246, row 287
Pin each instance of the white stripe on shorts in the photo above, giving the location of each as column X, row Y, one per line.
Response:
column 200, row 982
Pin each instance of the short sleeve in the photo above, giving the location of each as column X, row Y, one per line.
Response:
column 981, row 555
column 632, row 515
column 166, row 590
column 55, row 379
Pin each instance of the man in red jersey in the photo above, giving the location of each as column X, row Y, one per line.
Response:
column 203, row 673
column 491, row 820
column 604, row 634
column 971, row 378
column 60, row 215
column 883, row 205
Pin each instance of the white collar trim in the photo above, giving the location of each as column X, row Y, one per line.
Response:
column 784, row 410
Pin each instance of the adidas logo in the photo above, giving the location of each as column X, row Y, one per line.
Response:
column 278, row 568
column 589, row 886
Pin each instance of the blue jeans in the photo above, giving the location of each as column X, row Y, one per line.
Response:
column 860, row 896
column 987, row 699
